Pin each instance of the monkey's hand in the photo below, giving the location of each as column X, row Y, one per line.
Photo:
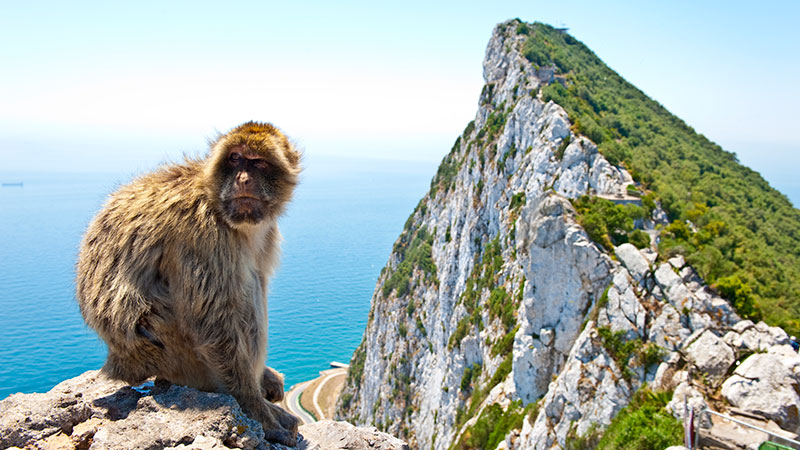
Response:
column 272, row 385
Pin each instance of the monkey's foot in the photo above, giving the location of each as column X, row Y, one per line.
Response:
column 279, row 426
column 272, row 385
column 288, row 421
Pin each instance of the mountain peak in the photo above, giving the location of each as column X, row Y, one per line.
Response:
column 576, row 241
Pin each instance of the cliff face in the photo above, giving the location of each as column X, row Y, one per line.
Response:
column 496, row 306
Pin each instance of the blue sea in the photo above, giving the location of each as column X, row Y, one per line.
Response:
column 338, row 233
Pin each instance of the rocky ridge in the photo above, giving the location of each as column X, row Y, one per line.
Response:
column 496, row 306
column 93, row 412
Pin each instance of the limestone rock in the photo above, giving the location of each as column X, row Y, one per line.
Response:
column 330, row 435
column 91, row 411
column 686, row 399
column 633, row 260
column 590, row 390
column 765, row 384
column 710, row 354
column 757, row 338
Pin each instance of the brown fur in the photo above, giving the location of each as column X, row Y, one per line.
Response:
column 177, row 288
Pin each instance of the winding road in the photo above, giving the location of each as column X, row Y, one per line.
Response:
column 292, row 402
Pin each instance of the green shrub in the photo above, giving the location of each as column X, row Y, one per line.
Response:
column 505, row 345
column 606, row 223
column 517, row 200
column 470, row 373
column 416, row 255
column 644, row 424
column 639, row 238
column 461, row 330
column 491, row 427
column 739, row 294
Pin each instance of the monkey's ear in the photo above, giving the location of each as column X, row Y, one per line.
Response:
column 293, row 157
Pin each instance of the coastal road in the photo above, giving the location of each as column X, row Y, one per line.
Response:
column 327, row 375
column 292, row 402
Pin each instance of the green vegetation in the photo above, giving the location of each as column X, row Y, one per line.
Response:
column 562, row 148
column 504, row 345
column 492, row 426
column 484, row 276
column 624, row 352
column 496, row 121
column 470, row 372
column 501, row 306
column 460, row 332
column 355, row 372
column 740, row 295
column 639, row 238
column 744, row 227
column 415, row 253
column 517, row 200
column 643, row 425
column 609, row 224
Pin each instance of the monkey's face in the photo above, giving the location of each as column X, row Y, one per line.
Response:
column 252, row 172
column 253, row 187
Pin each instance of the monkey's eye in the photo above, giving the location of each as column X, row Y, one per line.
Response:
column 234, row 157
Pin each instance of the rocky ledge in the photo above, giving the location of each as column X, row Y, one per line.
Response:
column 93, row 412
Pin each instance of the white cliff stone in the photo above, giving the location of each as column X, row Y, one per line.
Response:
column 766, row 384
column 686, row 399
column 668, row 330
column 747, row 336
column 590, row 390
column 710, row 354
column 633, row 260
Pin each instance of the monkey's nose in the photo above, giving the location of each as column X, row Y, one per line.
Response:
column 243, row 178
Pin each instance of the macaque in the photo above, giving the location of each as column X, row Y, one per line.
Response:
column 173, row 272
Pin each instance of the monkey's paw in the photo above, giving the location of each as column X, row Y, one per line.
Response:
column 285, row 430
column 272, row 385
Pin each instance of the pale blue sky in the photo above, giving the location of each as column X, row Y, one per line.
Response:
column 95, row 86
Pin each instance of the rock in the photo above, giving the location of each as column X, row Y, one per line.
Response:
column 710, row 354
column 633, row 260
column 685, row 399
column 330, row 435
column 589, row 392
column 765, row 384
column 668, row 330
column 623, row 312
column 756, row 338
column 677, row 262
column 107, row 414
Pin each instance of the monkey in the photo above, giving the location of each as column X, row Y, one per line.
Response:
column 172, row 272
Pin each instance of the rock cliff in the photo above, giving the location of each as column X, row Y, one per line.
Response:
column 93, row 412
column 497, row 307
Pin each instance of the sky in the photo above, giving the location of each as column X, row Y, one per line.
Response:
column 98, row 86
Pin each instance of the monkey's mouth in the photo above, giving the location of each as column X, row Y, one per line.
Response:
column 245, row 208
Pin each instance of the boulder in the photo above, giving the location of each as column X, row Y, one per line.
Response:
column 764, row 384
column 633, row 260
column 757, row 338
column 92, row 411
column 687, row 399
column 710, row 354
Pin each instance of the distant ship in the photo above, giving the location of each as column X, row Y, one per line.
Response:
column 18, row 183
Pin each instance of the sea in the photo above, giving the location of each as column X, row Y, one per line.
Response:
column 338, row 233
